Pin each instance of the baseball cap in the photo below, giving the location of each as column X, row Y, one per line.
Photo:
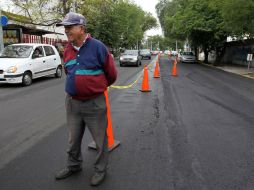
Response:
column 72, row 19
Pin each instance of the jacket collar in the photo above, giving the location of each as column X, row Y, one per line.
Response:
column 70, row 45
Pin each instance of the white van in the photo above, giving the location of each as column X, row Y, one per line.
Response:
column 20, row 63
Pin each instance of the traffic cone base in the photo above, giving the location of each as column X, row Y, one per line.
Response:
column 93, row 145
column 145, row 90
column 112, row 143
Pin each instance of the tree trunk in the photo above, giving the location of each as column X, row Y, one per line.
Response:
column 220, row 51
column 196, row 52
column 206, row 55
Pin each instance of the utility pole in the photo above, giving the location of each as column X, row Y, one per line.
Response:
column 1, row 34
column 74, row 5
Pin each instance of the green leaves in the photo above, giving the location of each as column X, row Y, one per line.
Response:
column 238, row 17
column 118, row 23
column 215, row 17
column 197, row 20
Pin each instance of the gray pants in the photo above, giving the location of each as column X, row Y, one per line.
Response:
column 93, row 114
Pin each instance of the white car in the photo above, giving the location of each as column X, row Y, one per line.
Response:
column 21, row 63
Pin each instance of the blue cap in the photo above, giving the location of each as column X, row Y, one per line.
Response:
column 72, row 19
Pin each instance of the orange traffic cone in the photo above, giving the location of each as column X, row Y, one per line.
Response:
column 112, row 143
column 156, row 73
column 145, row 82
column 174, row 71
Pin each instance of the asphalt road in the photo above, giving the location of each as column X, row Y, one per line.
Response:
column 194, row 131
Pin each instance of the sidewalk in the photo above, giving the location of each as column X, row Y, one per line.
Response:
column 236, row 69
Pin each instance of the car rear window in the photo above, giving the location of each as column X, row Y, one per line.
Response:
column 131, row 52
column 145, row 51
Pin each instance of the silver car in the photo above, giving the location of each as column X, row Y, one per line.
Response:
column 187, row 57
column 130, row 57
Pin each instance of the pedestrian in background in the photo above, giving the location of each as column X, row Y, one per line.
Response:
column 90, row 69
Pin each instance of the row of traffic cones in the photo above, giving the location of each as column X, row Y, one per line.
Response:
column 112, row 142
column 145, row 83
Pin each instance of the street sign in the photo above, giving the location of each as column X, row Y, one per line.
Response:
column 249, row 57
column 4, row 21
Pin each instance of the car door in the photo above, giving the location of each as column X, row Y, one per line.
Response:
column 51, row 59
column 38, row 62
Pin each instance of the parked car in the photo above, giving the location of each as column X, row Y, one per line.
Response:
column 145, row 53
column 130, row 57
column 21, row 63
column 187, row 57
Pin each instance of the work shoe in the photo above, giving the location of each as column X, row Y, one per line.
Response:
column 98, row 178
column 66, row 172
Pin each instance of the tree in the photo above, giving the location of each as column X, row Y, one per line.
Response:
column 199, row 21
column 39, row 12
column 118, row 23
column 238, row 17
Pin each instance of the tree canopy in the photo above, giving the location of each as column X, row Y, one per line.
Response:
column 206, row 24
column 118, row 23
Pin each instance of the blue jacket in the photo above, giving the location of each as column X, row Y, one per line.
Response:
column 89, row 71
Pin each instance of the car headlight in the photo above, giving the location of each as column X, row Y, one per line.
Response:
column 121, row 58
column 134, row 58
column 12, row 69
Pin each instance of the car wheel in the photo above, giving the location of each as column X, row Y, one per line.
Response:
column 27, row 79
column 59, row 72
column 121, row 65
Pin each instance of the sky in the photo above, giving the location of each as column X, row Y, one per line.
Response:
column 146, row 5
column 149, row 6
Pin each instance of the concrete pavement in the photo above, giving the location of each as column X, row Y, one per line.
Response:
column 236, row 69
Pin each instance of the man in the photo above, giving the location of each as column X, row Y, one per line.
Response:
column 90, row 69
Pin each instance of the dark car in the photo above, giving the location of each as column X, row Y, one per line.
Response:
column 130, row 57
column 145, row 53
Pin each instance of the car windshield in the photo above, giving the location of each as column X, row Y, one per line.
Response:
column 144, row 51
column 188, row 53
column 131, row 52
column 16, row 51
